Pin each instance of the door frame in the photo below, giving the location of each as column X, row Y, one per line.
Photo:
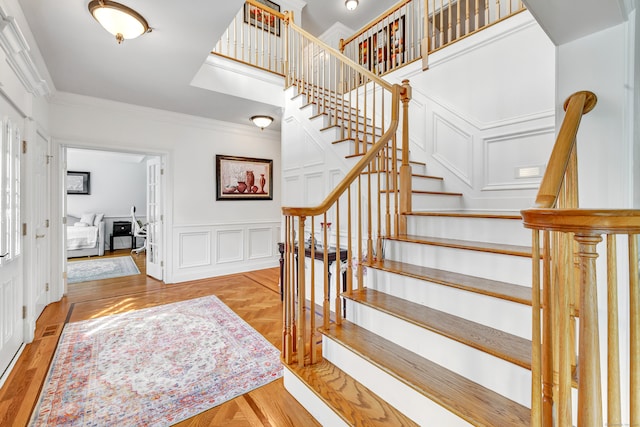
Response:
column 61, row 209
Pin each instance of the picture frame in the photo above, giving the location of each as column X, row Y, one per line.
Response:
column 243, row 178
column 78, row 182
column 363, row 53
column 396, row 40
column 255, row 17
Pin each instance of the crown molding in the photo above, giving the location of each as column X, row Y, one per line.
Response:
column 156, row 115
column 17, row 50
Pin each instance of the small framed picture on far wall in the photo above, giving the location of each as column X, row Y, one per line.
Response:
column 78, row 182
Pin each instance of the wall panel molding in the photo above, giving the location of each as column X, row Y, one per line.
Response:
column 194, row 249
column 503, row 154
column 217, row 249
column 453, row 147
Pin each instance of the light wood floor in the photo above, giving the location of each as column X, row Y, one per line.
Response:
column 254, row 296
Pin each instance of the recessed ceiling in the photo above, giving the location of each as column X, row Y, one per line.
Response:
column 155, row 70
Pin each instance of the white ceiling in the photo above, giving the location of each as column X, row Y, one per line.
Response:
column 156, row 69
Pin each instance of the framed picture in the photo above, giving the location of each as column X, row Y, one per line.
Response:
column 243, row 178
column 363, row 54
column 380, row 49
column 78, row 182
column 396, row 38
column 258, row 18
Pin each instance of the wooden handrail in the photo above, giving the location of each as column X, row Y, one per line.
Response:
column 576, row 105
column 265, row 8
column 358, row 168
column 343, row 59
column 584, row 221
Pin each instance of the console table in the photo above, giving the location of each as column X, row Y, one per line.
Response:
column 318, row 255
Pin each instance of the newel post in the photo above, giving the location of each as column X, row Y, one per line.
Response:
column 405, row 168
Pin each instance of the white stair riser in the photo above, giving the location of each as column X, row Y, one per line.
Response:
column 411, row 403
column 426, row 184
column 311, row 402
column 492, row 230
column 435, row 202
column 496, row 374
column 507, row 316
column 500, row 267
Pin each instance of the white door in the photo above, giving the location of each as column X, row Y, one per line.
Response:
column 42, row 203
column 154, row 219
column 11, row 276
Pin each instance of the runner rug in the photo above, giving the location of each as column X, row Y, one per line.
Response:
column 102, row 268
column 153, row 367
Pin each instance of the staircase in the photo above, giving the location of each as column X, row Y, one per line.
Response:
column 440, row 332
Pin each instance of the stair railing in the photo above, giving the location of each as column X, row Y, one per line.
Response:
column 413, row 29
column 255, row 37
column 565, row 335
column 365, row 206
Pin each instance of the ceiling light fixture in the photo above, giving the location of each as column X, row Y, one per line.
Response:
column 262, row 121
column 351, row 4
column 120, row 20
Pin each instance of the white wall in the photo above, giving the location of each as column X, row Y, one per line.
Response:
column 204, row 237
column 483, row 109
column 604, row 140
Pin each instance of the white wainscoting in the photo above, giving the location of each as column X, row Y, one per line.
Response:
column 211, row 250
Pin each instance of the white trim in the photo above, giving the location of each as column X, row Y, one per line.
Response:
column 19, row 59
column 156, row 115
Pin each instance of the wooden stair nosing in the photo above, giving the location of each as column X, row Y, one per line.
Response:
column 509, row 347
column 413, row 162
column 461, row 396
column 413, row 175
column 320, row 114
column 378, row 132
column 468, row 214
column 432, row 193
column 334, row 386
column 493, row 288
column 497, row 248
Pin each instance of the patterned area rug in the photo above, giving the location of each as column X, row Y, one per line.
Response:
column 102, row 268
column 153, row 367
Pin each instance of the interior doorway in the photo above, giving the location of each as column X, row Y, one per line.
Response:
column 100, row 189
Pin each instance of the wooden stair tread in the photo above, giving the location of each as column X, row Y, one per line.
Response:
column 498, row 248
column 353, row 402
column 413, row 162
column 498, row 343
column 493, row 288
column 469, row 214
column 354, row 129
column 413, row 175
column 467, row 399
column 438, row 193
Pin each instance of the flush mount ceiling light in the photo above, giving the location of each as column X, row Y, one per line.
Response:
column 120, row 20
column 262, row 121
column 351, row 4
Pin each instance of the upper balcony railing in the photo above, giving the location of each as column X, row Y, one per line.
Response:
column 398, row 37
column 255, row 37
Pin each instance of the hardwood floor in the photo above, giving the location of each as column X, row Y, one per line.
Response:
column 254, row 296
